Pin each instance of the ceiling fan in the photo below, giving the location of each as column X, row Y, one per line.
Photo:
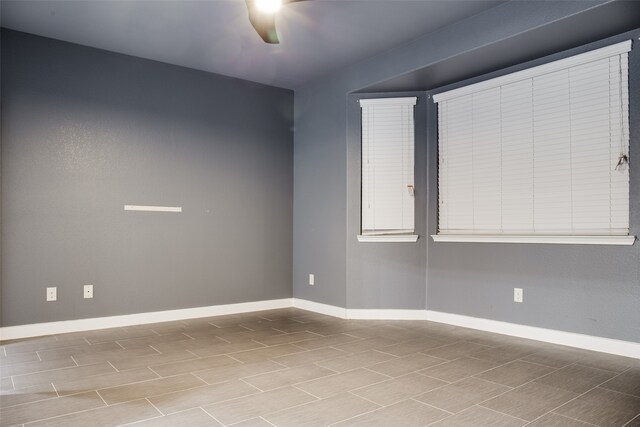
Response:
column 262, row 15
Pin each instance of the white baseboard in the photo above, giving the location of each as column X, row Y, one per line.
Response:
column 316, row 307
column 362, row 314
column 65, row 326
column 587, row 342
column 386, row 314
column 571, row 339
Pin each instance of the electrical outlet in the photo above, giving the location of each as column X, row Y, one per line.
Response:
column 88, row 291
column 52, row 294
column 312, row 279
column 518, row 295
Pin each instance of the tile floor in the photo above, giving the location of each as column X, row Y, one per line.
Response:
column 295, row 368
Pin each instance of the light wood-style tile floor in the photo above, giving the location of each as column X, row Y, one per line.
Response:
column 295, row 368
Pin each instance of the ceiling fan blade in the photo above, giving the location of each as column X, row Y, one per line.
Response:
column 263, row 23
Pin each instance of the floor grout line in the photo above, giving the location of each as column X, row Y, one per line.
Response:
column 570, row 400
column 616, row 391
column 637, row 417
column 571, row 418
column 362, row 413
column 498, row 412
column 280, row 410
column 222, row 338
column 159, row 376
column 56, row 390
column 267, row 421
column 539, row 364
column 429, row 405
column 368, row 400
column 368, row 368
column 304, row 391
column 497, row 383
column 490, row 398
column 150, row 345
column 120, row 385
column 52, row 370
column 101, row 398
column 577, row 363
column 135, row 423
column 254, row 386
column 211, row 415
column 73, row 412
column 74, row 361
column 191, row 353
column 237, row 360
column 154, row 406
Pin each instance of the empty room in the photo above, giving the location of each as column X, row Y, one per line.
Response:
column 307, row 213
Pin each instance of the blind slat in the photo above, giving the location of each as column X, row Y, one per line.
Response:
column 537, row 155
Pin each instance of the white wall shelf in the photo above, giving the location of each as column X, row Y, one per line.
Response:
column 140, row 208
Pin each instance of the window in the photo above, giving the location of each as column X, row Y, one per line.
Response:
column 387, row 170
column 540, row 155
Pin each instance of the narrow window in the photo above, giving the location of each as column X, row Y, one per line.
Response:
column 388, row 169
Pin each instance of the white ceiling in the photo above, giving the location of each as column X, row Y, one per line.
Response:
column 316, row 36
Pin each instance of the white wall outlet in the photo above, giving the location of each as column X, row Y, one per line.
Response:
column 518, row 295
column 312, row 279
column 52, row 294
column 88, row 291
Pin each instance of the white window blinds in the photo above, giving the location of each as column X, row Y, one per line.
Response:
column 387, row 165
column 536, row 152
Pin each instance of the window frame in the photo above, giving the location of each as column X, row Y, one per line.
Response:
column 566, row 63
column 387, row 236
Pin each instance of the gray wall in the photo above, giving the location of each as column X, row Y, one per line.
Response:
column 588, row 289
column 389, row 275
column 86, row 131
column 319, row 194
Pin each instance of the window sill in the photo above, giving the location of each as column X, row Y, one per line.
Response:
column 380, row 238
column 566, row 240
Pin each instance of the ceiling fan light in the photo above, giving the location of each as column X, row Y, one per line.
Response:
column 268, row 6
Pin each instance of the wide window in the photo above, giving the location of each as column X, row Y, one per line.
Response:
column 388, row 169
column 540, row 155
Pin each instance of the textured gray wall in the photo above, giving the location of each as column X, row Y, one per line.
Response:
column 86, row 131
column 587, row 289
column 385, row 275
column 320, row 149
column 319, row 195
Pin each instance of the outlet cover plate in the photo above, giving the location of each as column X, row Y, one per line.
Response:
column 52, row 294
column 518, row 295
column 88, row 291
